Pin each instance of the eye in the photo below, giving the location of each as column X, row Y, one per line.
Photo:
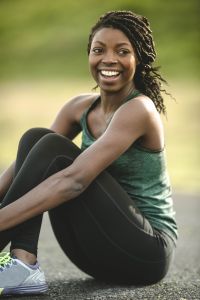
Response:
column 123, row 52
column 97, row 50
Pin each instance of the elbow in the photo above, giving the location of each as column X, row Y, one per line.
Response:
column 72, row 186
column 78, row 186
column 74, row 181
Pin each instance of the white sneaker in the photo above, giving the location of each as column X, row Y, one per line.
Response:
column 18, row 278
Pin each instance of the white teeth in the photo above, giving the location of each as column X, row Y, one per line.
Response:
column 109, row 73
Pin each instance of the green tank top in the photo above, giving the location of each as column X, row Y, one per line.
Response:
column 143, row 175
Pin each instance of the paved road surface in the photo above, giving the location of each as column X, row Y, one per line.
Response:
column 182, row 282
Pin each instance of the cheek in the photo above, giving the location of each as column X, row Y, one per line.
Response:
column 133, row 61
column 131, row 65
column 92, row 67
column 91, row 62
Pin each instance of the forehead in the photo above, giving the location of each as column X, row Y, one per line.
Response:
column 110, row 35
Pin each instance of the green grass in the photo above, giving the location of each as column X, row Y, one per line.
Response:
column 49, row 38
column 35, row 103
column 44, row 40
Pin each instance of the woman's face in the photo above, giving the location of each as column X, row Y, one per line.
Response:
column 112, row 60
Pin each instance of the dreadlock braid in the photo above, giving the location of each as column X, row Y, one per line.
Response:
column 147, row 78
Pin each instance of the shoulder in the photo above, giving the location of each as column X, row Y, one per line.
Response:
column 140, row 109
column 141, row 104
column 81, row 101
column 75, row 106
column 140, row 119
column 67, row 121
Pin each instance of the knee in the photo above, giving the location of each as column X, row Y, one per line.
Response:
column 30, row 138
column 54, row 140
column 32, row 135
column 58, row 144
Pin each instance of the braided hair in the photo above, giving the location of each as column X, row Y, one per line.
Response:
column 147, row 78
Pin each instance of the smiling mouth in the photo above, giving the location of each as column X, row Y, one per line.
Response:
column 109, row 73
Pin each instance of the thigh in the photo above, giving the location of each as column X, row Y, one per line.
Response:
column 40, row 154
column 105, row 235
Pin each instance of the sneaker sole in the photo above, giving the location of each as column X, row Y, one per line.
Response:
column 33, row 289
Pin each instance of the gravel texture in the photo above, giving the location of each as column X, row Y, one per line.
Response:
column 182, row 283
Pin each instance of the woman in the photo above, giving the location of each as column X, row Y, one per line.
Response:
column 109, row 203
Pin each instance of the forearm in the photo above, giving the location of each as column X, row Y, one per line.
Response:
column 52, row 192
column 6, row 179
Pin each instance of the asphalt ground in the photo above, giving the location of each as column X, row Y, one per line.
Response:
column 66, row 281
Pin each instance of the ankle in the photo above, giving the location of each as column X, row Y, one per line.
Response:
column 24, row 256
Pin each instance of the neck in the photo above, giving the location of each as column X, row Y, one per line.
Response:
column 110, row 102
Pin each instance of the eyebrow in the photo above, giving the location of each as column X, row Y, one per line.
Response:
column 118, row 44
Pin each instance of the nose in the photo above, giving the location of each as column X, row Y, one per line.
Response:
column 109, row 58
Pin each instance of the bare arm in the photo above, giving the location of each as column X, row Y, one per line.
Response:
column 127, row 126
column 67, row 120
column 6, row 179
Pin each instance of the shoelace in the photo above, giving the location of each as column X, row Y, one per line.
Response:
column 5, row 260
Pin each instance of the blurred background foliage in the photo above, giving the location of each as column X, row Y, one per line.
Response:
column 49, row 38
column 43, row 62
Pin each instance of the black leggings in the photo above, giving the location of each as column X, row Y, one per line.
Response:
column 101, row 231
